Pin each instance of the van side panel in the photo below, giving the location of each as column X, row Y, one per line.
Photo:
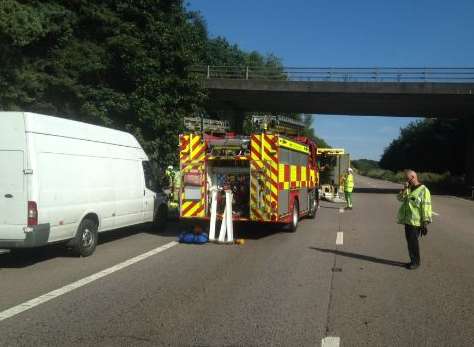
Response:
column 13, row 182
column 129, row 192
column 73, row 169
column 77, row 177
column 70, row 185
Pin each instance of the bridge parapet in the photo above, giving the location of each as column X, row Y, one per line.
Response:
column 330, row 74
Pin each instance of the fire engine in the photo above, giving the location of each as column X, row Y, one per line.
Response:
column 272, row 173
column 333, row 164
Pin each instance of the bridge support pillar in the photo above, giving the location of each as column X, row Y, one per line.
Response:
column 470, row 151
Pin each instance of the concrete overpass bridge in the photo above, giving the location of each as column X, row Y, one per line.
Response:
column 397, row 92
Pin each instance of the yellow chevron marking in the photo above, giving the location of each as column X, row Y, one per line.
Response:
column 194, row 209
column 194, row 140
column 185, row 204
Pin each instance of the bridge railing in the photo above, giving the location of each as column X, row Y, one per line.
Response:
column 376, row 74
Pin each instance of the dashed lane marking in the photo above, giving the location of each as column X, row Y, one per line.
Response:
column 11, row 312
column 340, row 238
column 435, row 213
column 331, row 341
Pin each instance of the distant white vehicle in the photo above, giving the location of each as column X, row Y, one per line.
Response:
column 66, row 181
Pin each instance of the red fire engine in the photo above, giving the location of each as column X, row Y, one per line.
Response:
column 272, row 173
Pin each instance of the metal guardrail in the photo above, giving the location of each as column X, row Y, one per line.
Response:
column 382, row 74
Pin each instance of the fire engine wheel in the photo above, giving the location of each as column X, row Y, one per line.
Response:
column 314, row 207
column 295, row 216
column 86, row 239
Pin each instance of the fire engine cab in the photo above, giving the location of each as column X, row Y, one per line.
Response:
column 272, row 173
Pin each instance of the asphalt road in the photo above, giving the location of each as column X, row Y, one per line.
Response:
column 280, row 288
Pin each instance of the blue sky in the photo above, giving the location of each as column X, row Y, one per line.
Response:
column 348, row 33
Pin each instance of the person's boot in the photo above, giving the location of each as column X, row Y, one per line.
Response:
column 412, row 266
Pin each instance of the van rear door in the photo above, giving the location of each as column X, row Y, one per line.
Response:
column 13, row 184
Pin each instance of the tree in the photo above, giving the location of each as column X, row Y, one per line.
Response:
column 307, row 119
column 434, row 145
column 116, row 63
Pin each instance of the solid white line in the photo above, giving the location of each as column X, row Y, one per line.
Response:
column 331, row 341
column 340, row 238
column 70, row 287
column 435, row 213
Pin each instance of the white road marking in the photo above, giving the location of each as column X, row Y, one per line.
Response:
column 331, row 341
column 341, row 210
column 340, row 238
column 435, row 213
column 4, row 251
column 13, row 311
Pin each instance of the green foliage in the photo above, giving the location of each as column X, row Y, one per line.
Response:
column 435, row 145
column 118, row 63
column 364, row 165
column 435, row 148
column 438, row 183
column 307, row 119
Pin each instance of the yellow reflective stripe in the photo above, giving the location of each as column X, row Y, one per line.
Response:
column 285, row 143
column 255, row 151
column 186, row 204
column 194, row 209
column 258, row 164
column 281, row 173
column 293, row 173
column 195, row 139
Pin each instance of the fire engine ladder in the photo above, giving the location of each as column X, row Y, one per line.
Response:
column 206, row 125
column 279, row 124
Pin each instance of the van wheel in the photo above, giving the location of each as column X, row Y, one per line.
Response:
column 161, row 216
column 86, row 239
column 295, row 216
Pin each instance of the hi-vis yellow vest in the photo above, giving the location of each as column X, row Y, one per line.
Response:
column 416, row 206
column 349, row 183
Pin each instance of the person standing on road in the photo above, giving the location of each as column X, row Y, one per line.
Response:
column 415, row 213
column 348, row 181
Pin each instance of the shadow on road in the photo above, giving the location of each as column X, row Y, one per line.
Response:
column 377, row 190
column 361, row 257
column 21, row 258
column 255, row 231
column 332, row 207
column 242, row 230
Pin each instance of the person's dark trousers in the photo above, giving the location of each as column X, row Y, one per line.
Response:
column 412, row 233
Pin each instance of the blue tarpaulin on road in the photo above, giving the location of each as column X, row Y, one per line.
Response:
column 190, row 237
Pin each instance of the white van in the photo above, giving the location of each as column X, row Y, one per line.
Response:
column 62, row 180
